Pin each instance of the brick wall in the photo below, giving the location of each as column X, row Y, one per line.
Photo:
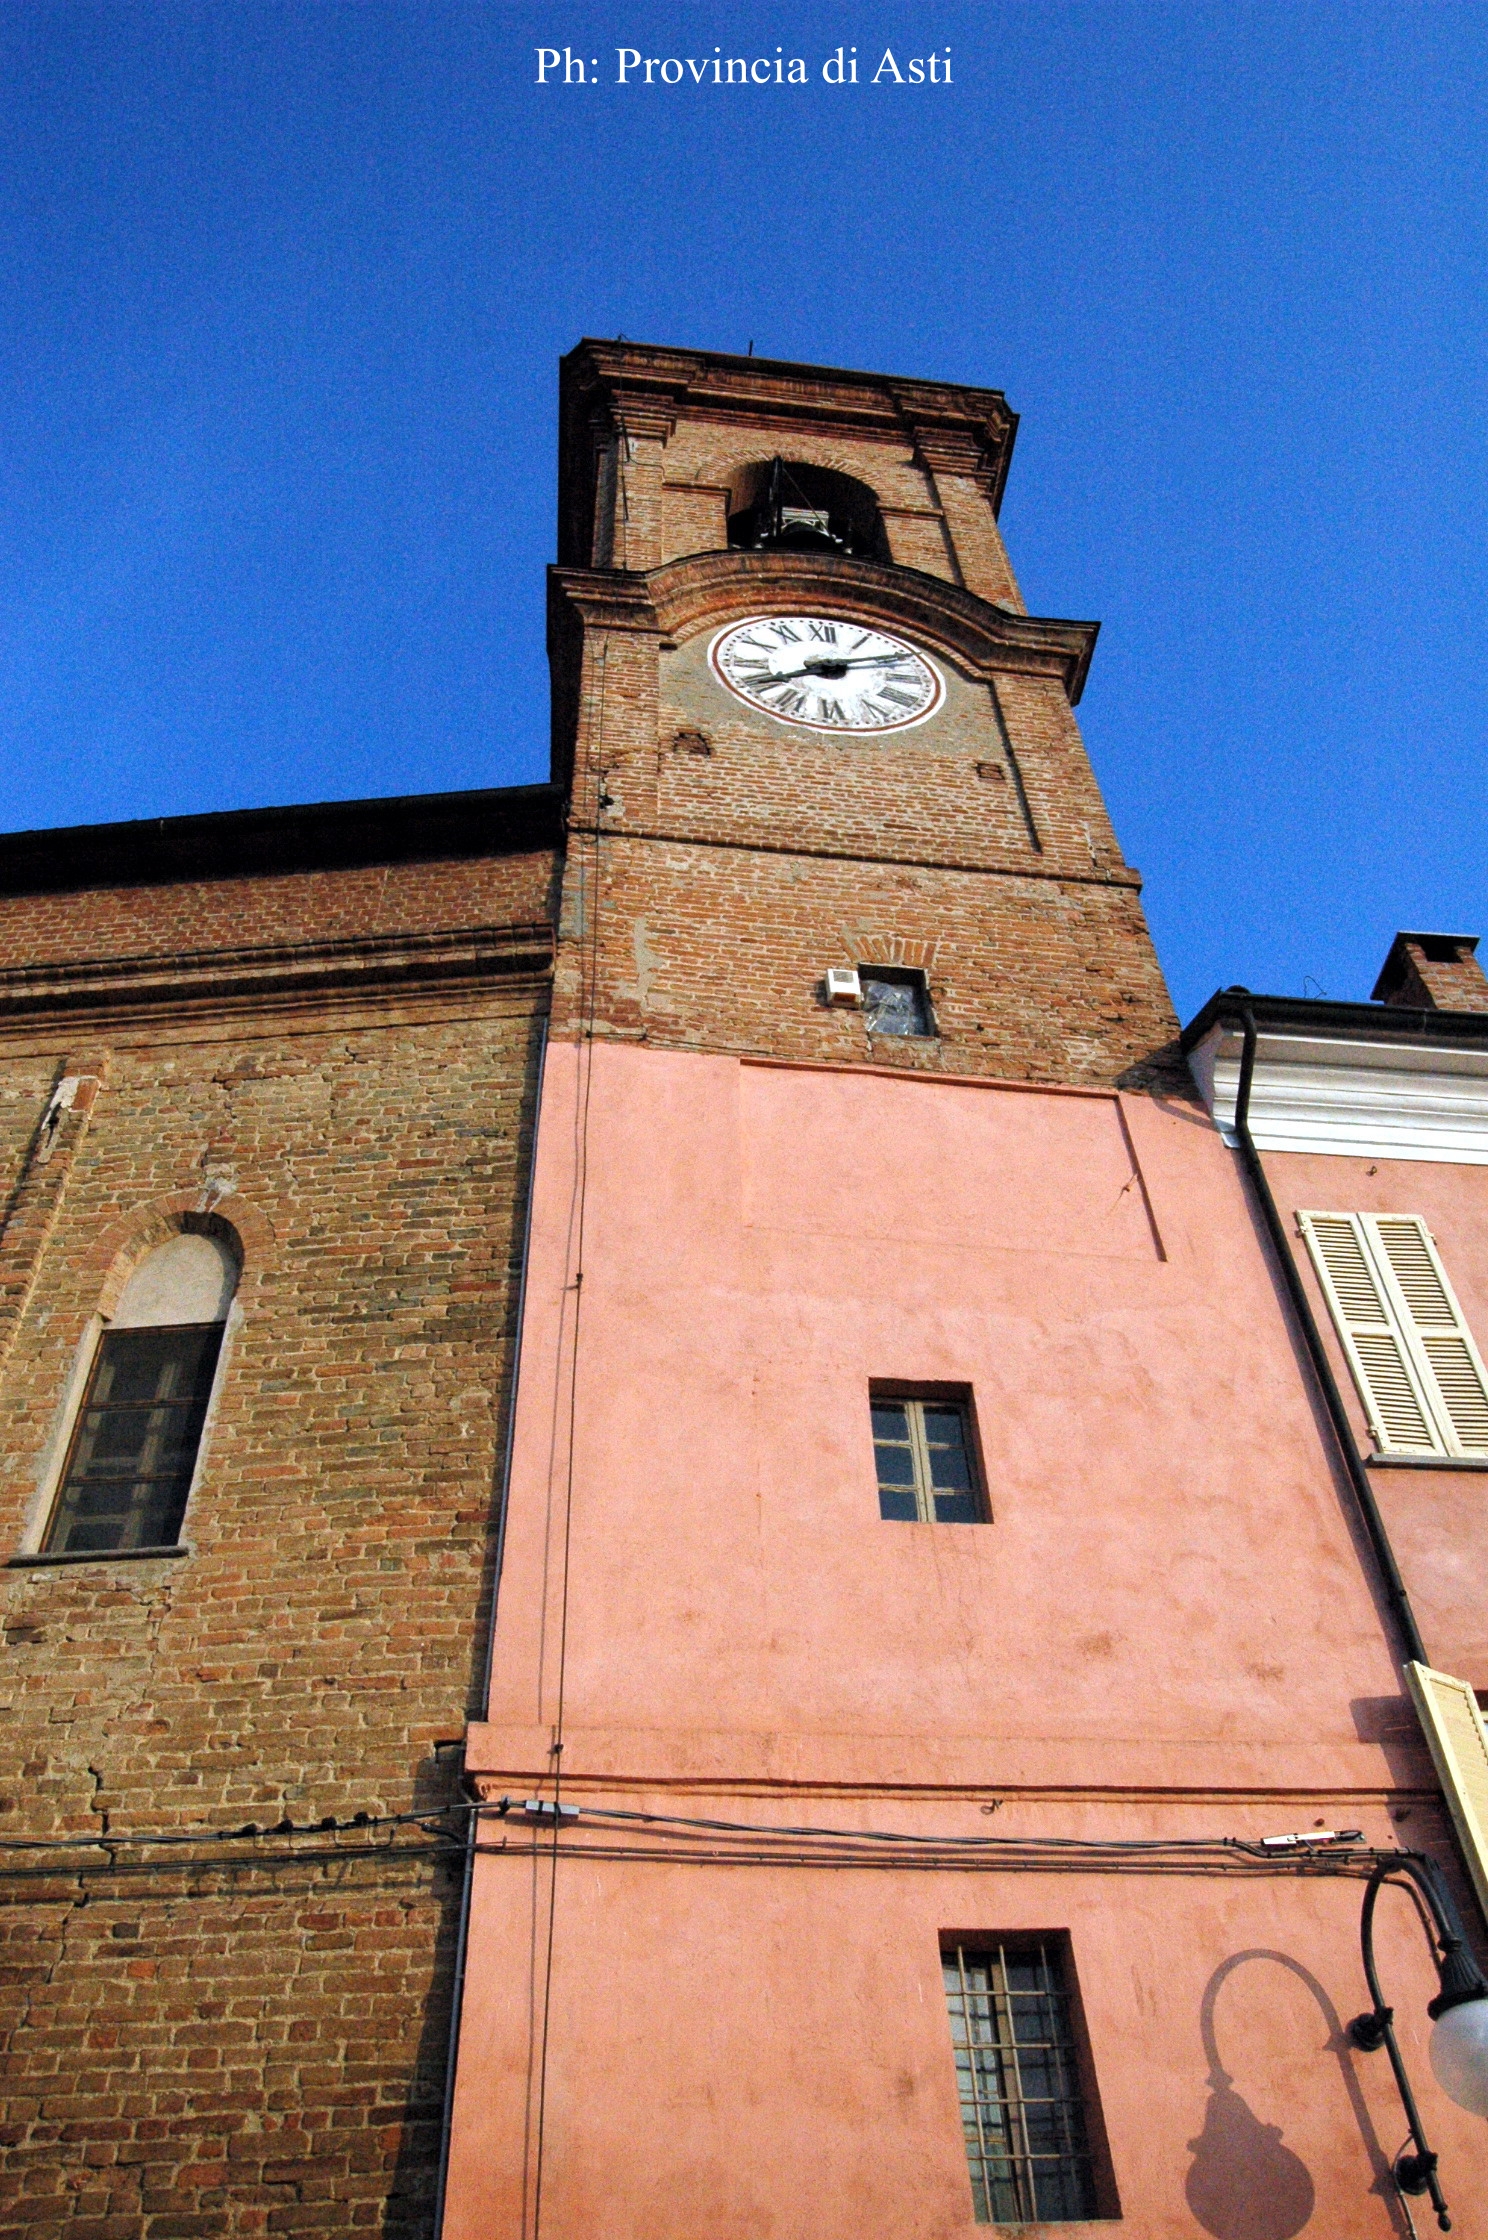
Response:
column 724, row 859
column 245, row 2046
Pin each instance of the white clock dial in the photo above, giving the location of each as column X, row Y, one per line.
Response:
column 826, row 674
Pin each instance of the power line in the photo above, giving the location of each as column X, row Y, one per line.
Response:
column 580, row 1204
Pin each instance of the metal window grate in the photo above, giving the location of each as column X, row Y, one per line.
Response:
column 923, row 1456
column 1021, row 2107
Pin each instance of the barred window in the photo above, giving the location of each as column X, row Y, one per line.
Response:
column 1022, row 2111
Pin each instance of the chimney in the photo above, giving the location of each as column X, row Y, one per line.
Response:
column 1433, row 972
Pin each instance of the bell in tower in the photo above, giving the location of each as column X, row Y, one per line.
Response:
column 789, row 506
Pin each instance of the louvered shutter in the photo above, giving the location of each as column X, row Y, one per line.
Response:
column 1459, row 1748
column 1406, row 1253
column 1383, row 1363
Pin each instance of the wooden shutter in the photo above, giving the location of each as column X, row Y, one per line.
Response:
column 1433, row 1318
column 1459, row 1748
column 1412, row 1355
column 1389, row 1381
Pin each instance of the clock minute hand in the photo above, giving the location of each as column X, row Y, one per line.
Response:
column 826, row 667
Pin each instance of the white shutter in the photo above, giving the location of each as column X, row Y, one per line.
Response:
column 1408, row 1256
column 1459, row 1749
column 1384, row 1367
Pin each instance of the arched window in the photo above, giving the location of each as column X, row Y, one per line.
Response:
column 133, row 1453
column 782, row 505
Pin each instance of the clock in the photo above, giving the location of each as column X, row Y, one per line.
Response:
column 826, row 674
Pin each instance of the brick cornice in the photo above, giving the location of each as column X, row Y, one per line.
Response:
column 983, row 639
column 605, row 598
column 770, row 844
column 955, row 433
column 266, row 977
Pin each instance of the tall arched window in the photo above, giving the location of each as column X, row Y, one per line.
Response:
column 133, row 1452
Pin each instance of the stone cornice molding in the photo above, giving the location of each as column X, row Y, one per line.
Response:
column 231, row 980
column 707, row 587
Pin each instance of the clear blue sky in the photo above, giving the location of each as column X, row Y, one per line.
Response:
column 284, row 288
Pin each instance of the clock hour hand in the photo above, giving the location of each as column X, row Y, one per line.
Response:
column 831, row 668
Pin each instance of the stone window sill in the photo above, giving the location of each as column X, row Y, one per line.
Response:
column 1426, row 1462
column 96, row 1555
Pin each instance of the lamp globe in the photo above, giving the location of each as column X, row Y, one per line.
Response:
column 1459, row 2055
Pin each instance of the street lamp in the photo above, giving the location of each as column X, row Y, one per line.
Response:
column 1459, row 2043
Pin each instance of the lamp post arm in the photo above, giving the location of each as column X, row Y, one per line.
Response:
column 1414, row 2173
column 1461, row 1980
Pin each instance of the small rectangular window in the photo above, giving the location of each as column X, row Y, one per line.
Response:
column 1022, row 2108
column 926, row 1472
column 134, row 1451
column 895, row 1001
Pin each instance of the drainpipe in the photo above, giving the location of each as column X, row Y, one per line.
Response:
column 472, row 1819
column 1322, row 1367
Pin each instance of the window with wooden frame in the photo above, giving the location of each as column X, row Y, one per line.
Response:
column 1412, row 1356
column 1030, row 2138
column 925, row 1455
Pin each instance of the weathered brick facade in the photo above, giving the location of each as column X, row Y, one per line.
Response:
column 335, row 1064
column 723, row 861
column 316, row 1034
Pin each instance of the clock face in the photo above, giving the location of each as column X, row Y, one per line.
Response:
column 826, row 674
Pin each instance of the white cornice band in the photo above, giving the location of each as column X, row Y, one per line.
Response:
column 1376, row 1100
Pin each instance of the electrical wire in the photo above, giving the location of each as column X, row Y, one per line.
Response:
column 584, row 1090
column 1234, row 1866
column 615, row 1833
column 662, row 1835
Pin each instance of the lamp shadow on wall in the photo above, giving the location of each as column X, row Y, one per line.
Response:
column 1245, row 2183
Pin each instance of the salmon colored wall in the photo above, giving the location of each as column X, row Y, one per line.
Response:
column 761, row 1240
column 1168, row 1627
column 1437, row 1519
column 743, row 2054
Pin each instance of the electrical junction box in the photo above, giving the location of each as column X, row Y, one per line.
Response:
column 843, row 984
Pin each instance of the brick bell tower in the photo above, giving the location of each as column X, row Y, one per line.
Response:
column 809, row 728
column 831, row 1153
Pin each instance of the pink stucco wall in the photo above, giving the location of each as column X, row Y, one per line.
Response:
column 1166, row 1628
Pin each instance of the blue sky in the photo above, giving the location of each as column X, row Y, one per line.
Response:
column 284, row 289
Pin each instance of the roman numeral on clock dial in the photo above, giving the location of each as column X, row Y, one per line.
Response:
column 820, row 673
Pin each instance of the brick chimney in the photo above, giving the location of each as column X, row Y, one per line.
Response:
column 1433, row 972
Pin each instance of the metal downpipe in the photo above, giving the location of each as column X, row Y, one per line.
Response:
column 1322, row 1367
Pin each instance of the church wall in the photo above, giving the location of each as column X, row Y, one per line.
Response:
column 250, row 2037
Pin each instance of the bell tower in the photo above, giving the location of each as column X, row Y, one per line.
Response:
column 809, row 729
